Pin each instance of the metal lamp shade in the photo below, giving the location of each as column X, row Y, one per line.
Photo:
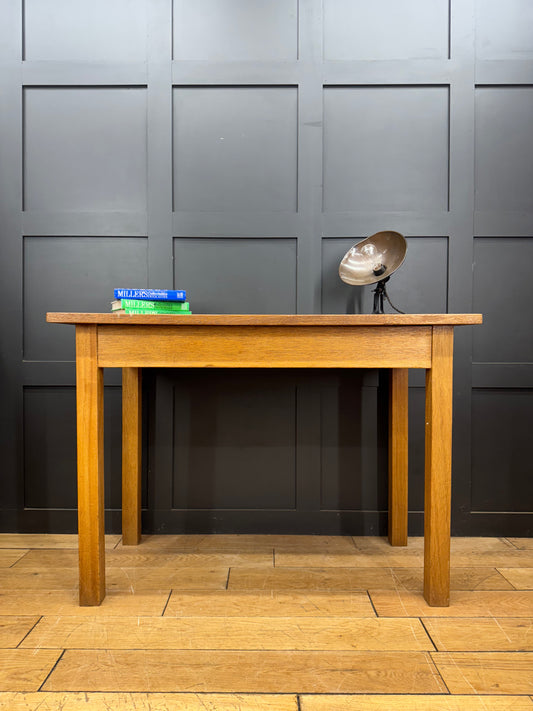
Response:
column 373, row 259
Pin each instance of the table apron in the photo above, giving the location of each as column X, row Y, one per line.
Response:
column 264, row 347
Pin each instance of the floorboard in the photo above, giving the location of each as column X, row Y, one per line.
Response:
column 128, row 557
column 245, row 672
column 508, row 603
column 14, row 628
column 415, row 703
column 520, row 578
column 236, row 633
column 10, row 557
column 49, row 540
column 59, row 701
column 26, row 669
column 270, row 603
column 65, row 602
column 486, row 672
column 485, row 634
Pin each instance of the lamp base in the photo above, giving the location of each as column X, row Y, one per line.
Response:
column 379, row 293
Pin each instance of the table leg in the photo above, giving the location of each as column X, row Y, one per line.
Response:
column 90, row 437
column 398, row 440
column 438, row 464
column 131, row 456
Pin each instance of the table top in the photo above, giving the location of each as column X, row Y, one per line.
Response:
column 267, row 319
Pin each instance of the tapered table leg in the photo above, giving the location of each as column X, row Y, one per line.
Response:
column 398, row 458
column 438, row 465
column 90, row 440
column 131, row 456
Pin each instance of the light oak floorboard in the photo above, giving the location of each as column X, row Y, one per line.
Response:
column 399, row 558
column 507, row 634
column 269, row 603
column 25, row 669
column 132, row 579
column 137, row 557
column 246, row 672
column 245, row 543
column 521, row 578
column 491, row 552
column 521, row 543
column 58, row 701
column 255, row 633
column 48, row 540
column 415, row 703
column 314, row 544
column 9, row 557
column 184, row 578
column 312, row 579
column 127, row 579
column 511, row 559
column 14, row 628
column 350, row 559
column 472, row 579
column 408, row 573
column 459, row 544
column 508, row 603
column 384, row 578
column 66, row 602
column 486, row 672
column 53, row 579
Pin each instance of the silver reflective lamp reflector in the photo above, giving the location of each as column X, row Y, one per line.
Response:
column 372, row 261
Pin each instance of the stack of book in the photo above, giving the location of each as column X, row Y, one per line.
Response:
column 150, row 301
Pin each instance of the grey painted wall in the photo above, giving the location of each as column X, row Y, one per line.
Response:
column 237, row 149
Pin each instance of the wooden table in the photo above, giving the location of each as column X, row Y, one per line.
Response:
column 132, row 342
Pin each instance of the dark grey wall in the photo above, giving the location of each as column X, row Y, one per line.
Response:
column 237, row 148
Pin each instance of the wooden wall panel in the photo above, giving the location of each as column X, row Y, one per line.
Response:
column 73, row 274
column 394, row 159
column 355, row 29
column 231, row 30
column 225, row 275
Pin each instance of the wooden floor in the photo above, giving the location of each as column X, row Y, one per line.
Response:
column 265, row 623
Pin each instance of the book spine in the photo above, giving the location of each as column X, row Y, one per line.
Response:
column 150, row 294
column 160, row 312
column 161, row 305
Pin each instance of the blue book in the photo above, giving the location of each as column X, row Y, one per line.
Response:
column 151, row 294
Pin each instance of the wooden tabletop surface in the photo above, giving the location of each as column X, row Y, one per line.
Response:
column 269, row 319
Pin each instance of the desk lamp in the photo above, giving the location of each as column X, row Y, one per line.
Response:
column 373, row 260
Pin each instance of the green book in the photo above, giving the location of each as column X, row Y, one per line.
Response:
column 164, row 312
column 148, row 306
